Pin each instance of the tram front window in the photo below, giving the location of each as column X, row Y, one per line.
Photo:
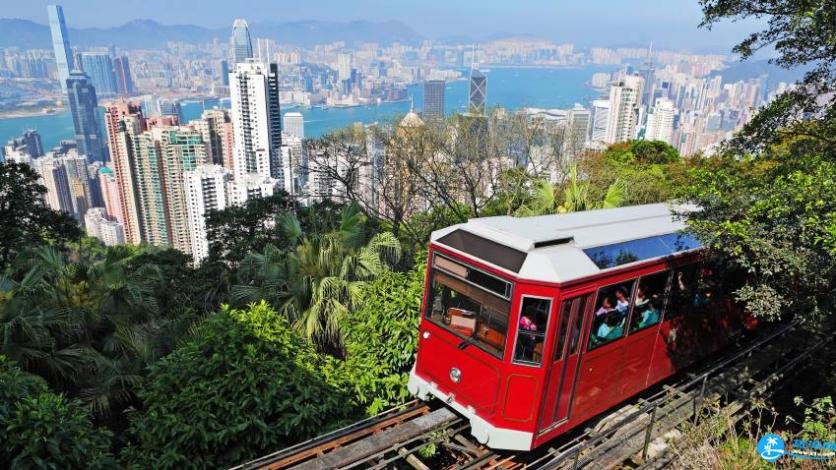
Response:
column 476, row 315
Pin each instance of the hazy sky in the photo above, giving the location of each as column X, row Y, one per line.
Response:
column 604, row 22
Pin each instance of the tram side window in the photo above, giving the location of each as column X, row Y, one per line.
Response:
column 565, row 313
column 531, row 331
column 683, row 294
column 613, row 304
column 649, row 302
column 576, row 327
column 469, row 312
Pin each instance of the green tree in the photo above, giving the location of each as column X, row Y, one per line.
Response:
column 320, row 279
column 642, row 152
column 774, row 219
column 244, row 385
column 238, row 230
column 380, row 340
column 25, row 220
column 91, row 326
column 39, row 429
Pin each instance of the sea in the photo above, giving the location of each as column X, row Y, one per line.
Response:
column 509, row 87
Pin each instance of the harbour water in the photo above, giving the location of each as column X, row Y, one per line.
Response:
column 511, row 88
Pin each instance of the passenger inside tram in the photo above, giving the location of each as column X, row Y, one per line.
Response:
column 622, row 300
column 649, row 301
column 612, row 328
column 605, row 307
column 648, row 314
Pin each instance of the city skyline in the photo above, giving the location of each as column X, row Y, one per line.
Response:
column 672, row 23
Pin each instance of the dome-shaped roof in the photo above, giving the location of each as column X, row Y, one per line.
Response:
column 411, row 120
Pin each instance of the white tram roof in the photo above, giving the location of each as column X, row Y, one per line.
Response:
column 565, row 247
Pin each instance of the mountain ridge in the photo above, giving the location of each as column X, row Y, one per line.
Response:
column 146, row 33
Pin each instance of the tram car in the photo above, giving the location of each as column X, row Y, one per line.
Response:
column 531, row 326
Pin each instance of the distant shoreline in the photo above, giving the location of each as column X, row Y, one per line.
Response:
column 27, row 113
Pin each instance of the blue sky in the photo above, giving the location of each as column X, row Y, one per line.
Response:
column 604, row 22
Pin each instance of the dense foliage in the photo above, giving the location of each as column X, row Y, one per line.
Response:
column 243, row 385
column 774, row 219
column 39, row 429
column 381, row 340
column 25, row 219
column 767, row 204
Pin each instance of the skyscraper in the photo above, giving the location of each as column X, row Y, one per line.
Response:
column 110, row 193
column 54, row 178
column 99, row 226
column 60, row 44
column 256, row 119
column 623, row 116
column 28, row 144
column 478, row 92
column 124, row 122
column 293, row 124
column 78, row 180
column 434, row 100
column 344, row 66
column 182, row 150
column 122, row 70
column 213, row 128
column 224, row 65
column 600, row 116
column 98, row 66
column 242, row 45
column 660, row 121
column 150, row 187
column 83, row 102
column 205, row 191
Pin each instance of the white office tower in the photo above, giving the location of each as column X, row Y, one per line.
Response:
column 579, row 120
column 623, row 116
column 293, row 124
column 205, row 192
column 54, row 177
column 17, row 155
column 248, row 187
column 600, row 115
column 344, row 66
column 660, row 121
column 292, row 162
column 110, row 232
column 256, row 120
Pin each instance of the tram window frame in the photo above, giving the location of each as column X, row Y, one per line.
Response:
column 577, row 327
column 537, row 334
column 593, row 342
column 565, row 315
column 660, row 303
column 500, row 314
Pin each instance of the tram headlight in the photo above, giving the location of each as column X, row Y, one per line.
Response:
column 455, row 375
column 426, row 334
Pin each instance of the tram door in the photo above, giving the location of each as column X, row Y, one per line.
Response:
column 566, row 355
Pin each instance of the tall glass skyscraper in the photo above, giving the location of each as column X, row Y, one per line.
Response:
column 478, row 92
column 82, row 99
column 122, row 69
column 99, row 67
column 242, row 45
column 434, row 100
column 60, row 44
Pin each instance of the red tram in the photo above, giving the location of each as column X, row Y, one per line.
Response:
column 531, row 326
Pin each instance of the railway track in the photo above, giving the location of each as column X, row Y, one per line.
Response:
column 640, row 432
